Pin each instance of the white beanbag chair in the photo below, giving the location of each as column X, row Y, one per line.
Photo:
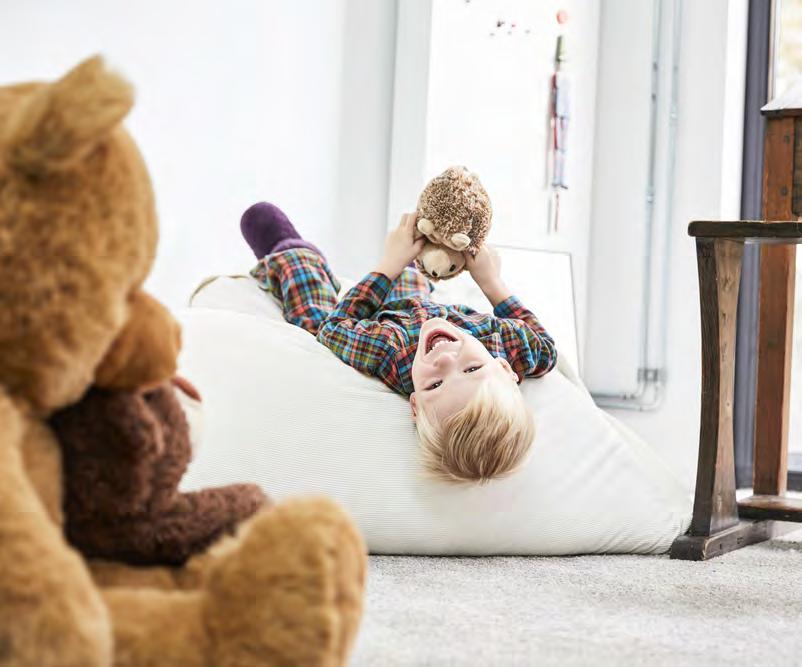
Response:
column 283, row 411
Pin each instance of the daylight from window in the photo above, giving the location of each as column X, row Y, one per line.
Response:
column 788, row 68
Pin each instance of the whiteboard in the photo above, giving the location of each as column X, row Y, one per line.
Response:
column 541, row 279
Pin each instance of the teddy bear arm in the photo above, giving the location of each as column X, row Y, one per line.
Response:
column 50, row 610
column 173, row 535
column 200, row 518
column 43, row 465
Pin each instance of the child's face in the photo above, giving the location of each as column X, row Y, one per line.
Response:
column 449, row 367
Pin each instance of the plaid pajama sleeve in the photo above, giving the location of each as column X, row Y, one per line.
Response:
column 409, row 285
column 528, row 347
column 348, row 331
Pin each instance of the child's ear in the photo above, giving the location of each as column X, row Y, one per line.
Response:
column 506, row 366
column 413, row 403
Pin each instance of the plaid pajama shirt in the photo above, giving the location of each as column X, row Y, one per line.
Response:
column 375, row 327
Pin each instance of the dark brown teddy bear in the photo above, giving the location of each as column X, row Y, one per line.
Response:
column 124, row 455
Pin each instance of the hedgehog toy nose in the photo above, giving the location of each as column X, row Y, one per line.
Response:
column 434, row 273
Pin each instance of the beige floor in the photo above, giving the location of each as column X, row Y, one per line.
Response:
column 744, row 608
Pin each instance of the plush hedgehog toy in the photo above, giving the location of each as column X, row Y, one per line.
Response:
column 454, row 215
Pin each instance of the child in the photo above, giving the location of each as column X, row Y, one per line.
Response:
column 459, row 368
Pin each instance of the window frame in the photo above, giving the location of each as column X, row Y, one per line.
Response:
column 762, row 34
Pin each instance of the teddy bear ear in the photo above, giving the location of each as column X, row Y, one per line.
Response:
column 460, row 241
column 62, row 121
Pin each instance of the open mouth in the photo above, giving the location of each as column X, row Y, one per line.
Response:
column 438, row 337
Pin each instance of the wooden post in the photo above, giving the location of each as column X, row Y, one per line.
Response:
column 777, row 282
column 719, row 264
column 715, row 528
column 717, row 525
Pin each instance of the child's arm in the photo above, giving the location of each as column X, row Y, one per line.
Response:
column 349, row 331
column 529, row 348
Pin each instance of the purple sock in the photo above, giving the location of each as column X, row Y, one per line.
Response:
column 267, row 230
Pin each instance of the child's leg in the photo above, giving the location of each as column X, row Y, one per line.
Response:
column 292, row 269
column 411, row 284
column 302, row 282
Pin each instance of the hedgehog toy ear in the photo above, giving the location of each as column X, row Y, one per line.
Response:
column 460, row 241
column 62, row 121
column 425, row 226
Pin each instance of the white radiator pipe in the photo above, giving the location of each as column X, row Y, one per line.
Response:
column 651, row 378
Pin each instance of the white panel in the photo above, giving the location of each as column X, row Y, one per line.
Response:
column 410, row 105
column 616, row 276
column 541, row 280
column 484, row 92
column 710, row 47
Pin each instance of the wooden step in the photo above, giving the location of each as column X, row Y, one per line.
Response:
column 778, row 508
column 753, row 230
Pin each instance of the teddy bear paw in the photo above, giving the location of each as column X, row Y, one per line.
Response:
column 291, row 591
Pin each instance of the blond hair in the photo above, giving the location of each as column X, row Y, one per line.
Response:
column 489, row 438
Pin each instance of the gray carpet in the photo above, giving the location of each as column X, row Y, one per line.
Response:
column 743, row 608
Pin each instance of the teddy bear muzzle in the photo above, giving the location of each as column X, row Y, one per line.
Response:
column 145, row 352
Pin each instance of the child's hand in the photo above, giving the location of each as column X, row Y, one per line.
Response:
column 400, row 247
column 485, row 266
column 485, row 269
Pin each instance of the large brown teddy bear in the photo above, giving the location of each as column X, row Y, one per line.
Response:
column 77, row 238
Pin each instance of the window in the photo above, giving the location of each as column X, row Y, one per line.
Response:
column 787, row 69
column 774, row 62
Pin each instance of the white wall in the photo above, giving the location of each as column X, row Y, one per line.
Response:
column 292, row 102
column 709, row 137
column 237, row 102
